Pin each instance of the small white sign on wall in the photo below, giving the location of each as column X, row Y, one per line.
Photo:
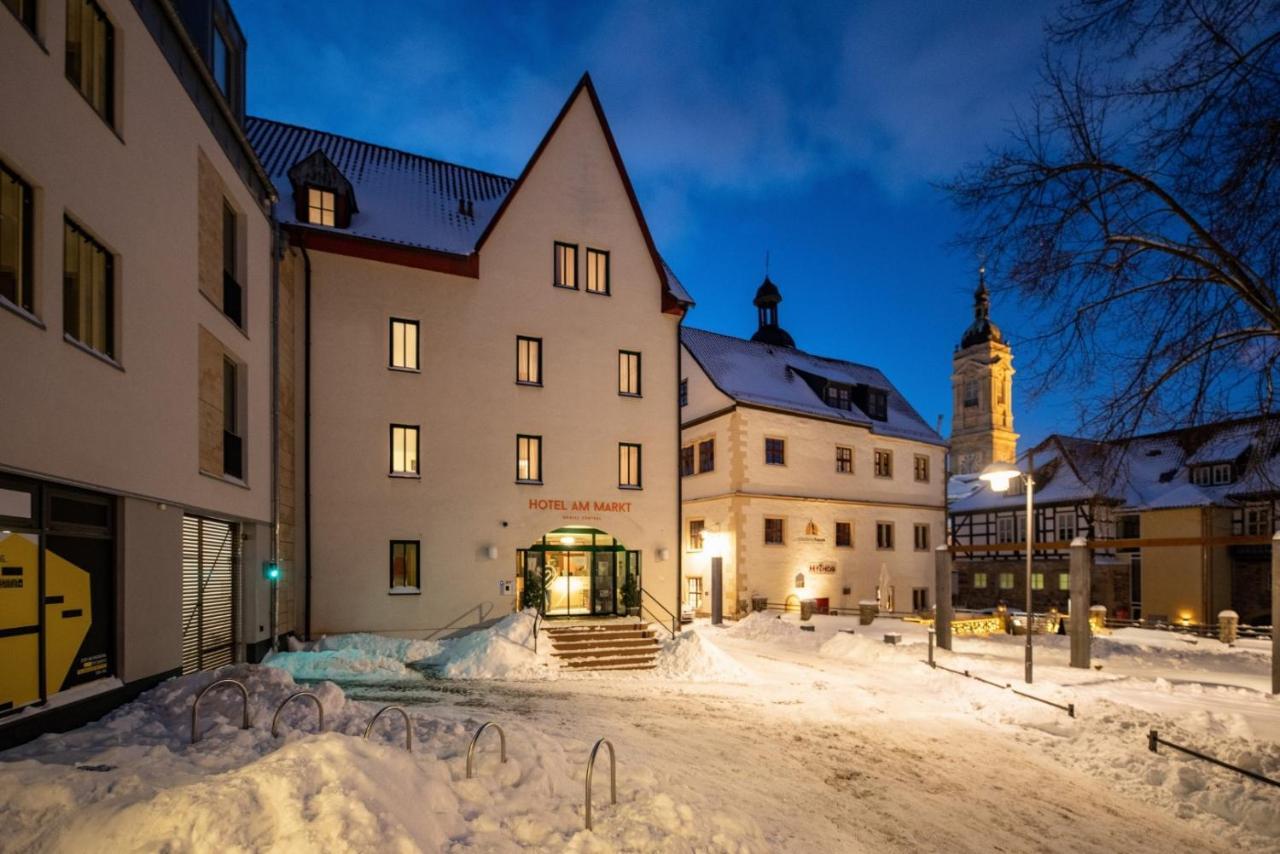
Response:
column 506, row 588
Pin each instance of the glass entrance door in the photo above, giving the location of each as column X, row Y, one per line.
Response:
column 569, row 590
column 603, row 583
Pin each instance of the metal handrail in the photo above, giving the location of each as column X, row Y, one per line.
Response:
column 471, row 749
column 675, row 621
column 1154, row 740
column 408, row 726
column 195, row 706
column 537, row 620
column 295, row 695
column 613, row 775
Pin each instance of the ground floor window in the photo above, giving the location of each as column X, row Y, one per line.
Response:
column 844, row 534
column 693, row 589
column 696, row 528
column 1037, row 581
column 1064, row 581
column 919, row 598
column 579, row 571
column 404, row 566
column 1006, row 581
column 773, row 532
column 980, row 580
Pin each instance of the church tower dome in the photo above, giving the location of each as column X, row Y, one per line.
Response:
column 982, row 388
column 766, row 302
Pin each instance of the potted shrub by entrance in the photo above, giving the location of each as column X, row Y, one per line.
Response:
column 631, row 595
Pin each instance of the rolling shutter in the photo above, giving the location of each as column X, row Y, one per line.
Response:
column 210, row 571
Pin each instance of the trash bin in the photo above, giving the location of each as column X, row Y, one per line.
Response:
column 867, row 611
column 806, row 609
column 759, row 603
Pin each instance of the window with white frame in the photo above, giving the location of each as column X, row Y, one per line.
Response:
column 1006, row 529
column 1257, row 521
column 1065, row 520
column 921, row 537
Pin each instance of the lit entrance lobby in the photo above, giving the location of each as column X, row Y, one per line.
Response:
column 579, row 572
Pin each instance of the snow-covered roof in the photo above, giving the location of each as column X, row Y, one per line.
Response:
column 1142, row 473
column 766, row 375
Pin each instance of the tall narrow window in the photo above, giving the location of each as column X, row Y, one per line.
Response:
column 884, row 535
column 566, row 265
column 90, row 55
column 707, row 455
column 922, row 468
column 320, row 206
column 528, row 360
column 597, row 271
column 404, row 566
column 686, row 461
column 970, row 393
column 884, row 463
column 15, row 240
column 773, row 532
column 628, row 373
column 404, row 344
column 628, row 465
column 221, row 61
column 25, row 10
column 87, row 291
column 696, row 528
column 684, row 392
column 922, row 538
column 232, row 298
column 775, row 452
column 844, row 460
column 529, row 459
column 844, row 534
column 232, row 443
column 404, row 450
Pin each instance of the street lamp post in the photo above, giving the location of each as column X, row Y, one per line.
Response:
column 999, row 476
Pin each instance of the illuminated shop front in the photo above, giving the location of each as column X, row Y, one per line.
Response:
column 581, row 571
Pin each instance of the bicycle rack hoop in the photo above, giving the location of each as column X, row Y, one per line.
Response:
column 195, row 706
column 275, row 721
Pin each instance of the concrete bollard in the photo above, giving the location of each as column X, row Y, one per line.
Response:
column 806, row 609
column 942, row 614
column 1228, row 624
column 1098, row 618
column 1081, row 574
column 867, row 610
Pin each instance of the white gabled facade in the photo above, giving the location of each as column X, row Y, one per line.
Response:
column 784, row 465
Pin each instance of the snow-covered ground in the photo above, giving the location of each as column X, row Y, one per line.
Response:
column 755, row 737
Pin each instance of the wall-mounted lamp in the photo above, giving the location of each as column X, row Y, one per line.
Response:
column 664, row 554
column 491, row 552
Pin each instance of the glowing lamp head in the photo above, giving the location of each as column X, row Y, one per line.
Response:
column 713, row 543
column 567, row 541
column 999, row 475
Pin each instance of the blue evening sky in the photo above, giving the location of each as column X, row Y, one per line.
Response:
column 814, row 132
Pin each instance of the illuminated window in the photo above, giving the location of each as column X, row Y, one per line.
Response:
column 844, row 460
column 773, row 532
column 628, row 373
column 90, row 59
column 528, row 360
column 529, row 459
column 1006, row 529
column 884, row 535
column 404, row 344
column 844, row 534
column 707, row 455
column 1037, row 581
column 320, row 206
column 404, row 566
column 980, row 580
column 628, row 465
column 696, row 527
column 921, row 537
column 1006, row 581
column 566, row 265
column 883, row 463
column 1064, row 581
column 15, row 240
column 686, row 461
column 404, row 450
column 597, row 271
column 88, row 291
column 922, row 468
column 775, row 452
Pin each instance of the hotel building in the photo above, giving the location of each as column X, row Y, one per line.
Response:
column 486, row 374
column 136, row 339
column 813, row 478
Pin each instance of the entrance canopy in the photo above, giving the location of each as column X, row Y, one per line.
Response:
column 578, row 571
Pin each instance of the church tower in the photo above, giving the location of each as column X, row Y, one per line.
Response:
column 766, row 302
column 982, row 392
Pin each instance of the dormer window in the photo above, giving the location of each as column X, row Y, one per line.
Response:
column 878, row 404
column 320, row 206
column 1217, row 474
column 839, row 396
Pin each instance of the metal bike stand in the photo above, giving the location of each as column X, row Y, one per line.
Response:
column 195, row 707
column 408, row 726
column 471, row 750
column 295, row 695
column 613, row 775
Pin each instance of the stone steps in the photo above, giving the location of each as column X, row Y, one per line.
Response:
column 624, row 645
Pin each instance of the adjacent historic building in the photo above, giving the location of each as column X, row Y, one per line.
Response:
column 486, row 375
column 811, row 477
column 136, row 332
column 982, row 392
column 1199, row 485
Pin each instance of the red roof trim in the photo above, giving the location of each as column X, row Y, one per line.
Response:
column 670, row 305
column 388, row 253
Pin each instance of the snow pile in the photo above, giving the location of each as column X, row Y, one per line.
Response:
column 764, row 626
column 691, row 656
column 349, row 665
column 860, row 649
column 407, row 650
column 502, row 651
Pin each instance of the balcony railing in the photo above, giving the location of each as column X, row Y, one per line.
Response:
column 232, row 455
column 232, row 299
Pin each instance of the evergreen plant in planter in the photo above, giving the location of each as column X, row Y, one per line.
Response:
column 631, row 595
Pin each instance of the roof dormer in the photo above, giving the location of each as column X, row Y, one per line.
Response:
column 322, row 195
